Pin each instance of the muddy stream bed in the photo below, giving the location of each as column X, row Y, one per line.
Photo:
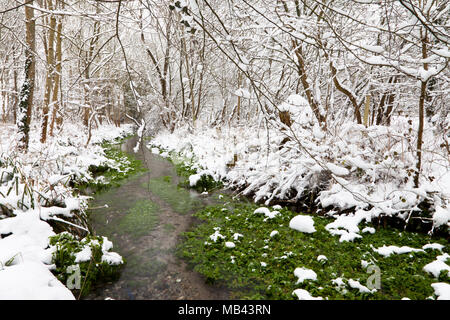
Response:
column 144, row 219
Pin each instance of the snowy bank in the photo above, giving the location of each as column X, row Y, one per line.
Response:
column 365, row 170
column 34, row 192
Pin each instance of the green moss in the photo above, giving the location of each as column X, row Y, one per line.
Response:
column 121, row 166
column 142, row 218
column 178, row 198
column 92, row 272
column 401, row 275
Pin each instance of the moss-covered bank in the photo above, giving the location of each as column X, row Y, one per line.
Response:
column 261, row 266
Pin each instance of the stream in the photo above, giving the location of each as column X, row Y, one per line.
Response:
column 144, row 219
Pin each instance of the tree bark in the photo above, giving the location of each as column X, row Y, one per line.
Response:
column 423, row 96
column 27, row 90
column 50, row 72
column 304, row 79
column 57, row 78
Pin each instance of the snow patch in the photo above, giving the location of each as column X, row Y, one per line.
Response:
column 230, row 244
column 441, row 290
column 304, row 274
column 302, row 223
column 386, row 251
column 438, row 265
column 302, row 294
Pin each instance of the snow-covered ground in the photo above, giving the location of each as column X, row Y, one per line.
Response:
column 33, row 190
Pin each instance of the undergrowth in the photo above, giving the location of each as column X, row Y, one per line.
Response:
column 91, row 272
column 108, row 175
column 186, row 167
column 262, row 267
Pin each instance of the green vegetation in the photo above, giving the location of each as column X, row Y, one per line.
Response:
column 92, row 272
column 140, row 219
column 120, row 166
column 177, row 197
column 205, row 183
column 401, row 275
column 186, row 167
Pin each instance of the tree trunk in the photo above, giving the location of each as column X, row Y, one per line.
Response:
column 423, row 96
column 57, row 78
column 27, row 90
column 50, row 72
column 304, row 79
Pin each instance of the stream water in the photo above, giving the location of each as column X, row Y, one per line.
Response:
column 144, row 219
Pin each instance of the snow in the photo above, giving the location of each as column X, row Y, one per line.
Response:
column 302, row 223
column 293, row 104
column 338, row 282
column 441, row 290
column 441, row 216
column 269, row 214
column 297, row 100
column 434, row 246
column 194, row 179
column 346, row 236
column 337, row 170
column 216, row 236
column 112, row 258
column 368, row 230
column 236, row 236
column 386, row 251
column 356, row 285
column 242, row 92
column 375, row 183
column 262, row 210
column 302, row 294
column 139, row 133
column 304, row 274
column 25, row 254
column 376, row 49
column 84, row 255
column 379, row 60
column 31, row 280
column 274, row 233
column 444, row 52
column 106, row 245
column 346, row 226
column 438, row 265
column 230, row 244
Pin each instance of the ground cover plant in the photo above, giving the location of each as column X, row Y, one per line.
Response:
column 258, row 257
